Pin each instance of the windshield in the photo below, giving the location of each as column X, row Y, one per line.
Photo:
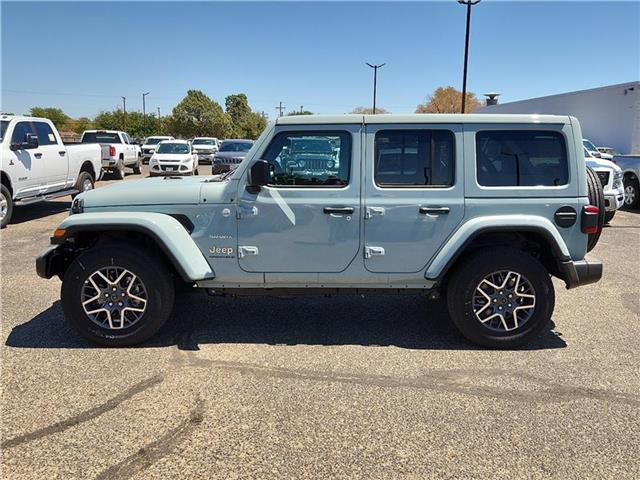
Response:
column 204, row 141
column 235, row 147
column 154, row 140
column 589, row 146
column 307, row 145
column 3, row 128
column 173, row 148
column 100, row 137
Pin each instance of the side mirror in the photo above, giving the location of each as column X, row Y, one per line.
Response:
column 259, row 175
column 30, row 142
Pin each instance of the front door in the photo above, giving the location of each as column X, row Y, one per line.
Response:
column 307, row 219
column 26, row 166
column 414, row 195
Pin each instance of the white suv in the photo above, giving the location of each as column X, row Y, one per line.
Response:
column 610, row 176
column 174, row 157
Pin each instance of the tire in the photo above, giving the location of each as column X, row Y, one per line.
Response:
column 608, row 216
column 471, row 273
column 596, row 198
column 631, row 193
column 119, row 170
column 137, row 168
column 113, row 260
column 195, row 172
column 84, row 183
column 6, row 206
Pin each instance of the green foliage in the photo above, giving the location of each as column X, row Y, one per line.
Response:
column 199, row 116
column 301, row 112
column 246, row 123
column 448, row 100
column 369, row 111
column 82, row 124
column 56, row 115
column 135, row 124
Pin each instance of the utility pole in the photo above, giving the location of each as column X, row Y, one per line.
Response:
column 280, row 109
column 375, row 82
column 124, row 110
column 469, row 4
column 159, row 113
column 301, row 109
column 144, row 111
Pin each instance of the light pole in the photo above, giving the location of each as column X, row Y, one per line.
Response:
column 469, row 4
column 375, row 82
column 124, row 111
column 144, row 111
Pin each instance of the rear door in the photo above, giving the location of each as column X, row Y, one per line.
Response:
column 307, row 219
column 414, row 193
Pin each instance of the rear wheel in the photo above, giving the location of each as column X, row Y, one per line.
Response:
column 117, row 295
column 6, row 206
column 84, row 183
column 596, row 198
column 631, row 192
column 119, row 170
column 500, row 298
column 608, row 216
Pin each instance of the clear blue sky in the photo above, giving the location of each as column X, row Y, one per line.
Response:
column 83, row 56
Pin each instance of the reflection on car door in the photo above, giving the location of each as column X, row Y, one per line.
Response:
column 27, row 166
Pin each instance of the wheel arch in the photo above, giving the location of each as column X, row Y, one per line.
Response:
column 6, row 181
column 87, row 166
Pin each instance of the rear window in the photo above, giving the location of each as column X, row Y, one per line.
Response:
column 507, row 158
column 100, row 137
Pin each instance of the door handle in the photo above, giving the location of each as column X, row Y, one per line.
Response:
column 37, row 155
column 338, row 210
column 434, row 210
column 62, row 153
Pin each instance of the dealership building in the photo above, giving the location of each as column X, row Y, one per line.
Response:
column 609, row 116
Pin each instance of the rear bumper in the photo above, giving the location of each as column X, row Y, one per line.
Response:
column 582, row 272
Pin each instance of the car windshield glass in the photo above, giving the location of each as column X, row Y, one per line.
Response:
column 3, row 128
column 308, row 145
column 153, row 141
column 235, row 147
column 204, row 141
column 101, row 137
column 173, row 148
column 589, row 146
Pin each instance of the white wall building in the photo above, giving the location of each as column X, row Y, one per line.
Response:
column 609, row 116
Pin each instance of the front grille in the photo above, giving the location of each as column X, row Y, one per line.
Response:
column 604, row 178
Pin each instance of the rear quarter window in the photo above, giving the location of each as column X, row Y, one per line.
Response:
column 507, row 158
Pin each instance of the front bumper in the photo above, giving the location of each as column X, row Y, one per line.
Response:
column 171, row 168
column 49, row 261
column 205, row 158
column 613, row 200
column 581, row 272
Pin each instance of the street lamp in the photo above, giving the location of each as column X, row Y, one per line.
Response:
column 144, row 111
column 469, row 4
column 375, row 82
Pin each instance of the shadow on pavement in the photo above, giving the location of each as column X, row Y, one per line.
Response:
column 401, row 321
column 25, row 213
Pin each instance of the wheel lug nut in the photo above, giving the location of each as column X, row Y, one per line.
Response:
column 114, row 289
column 122, row 294
column 499, row 308
column 111, row 304
column 119, row 304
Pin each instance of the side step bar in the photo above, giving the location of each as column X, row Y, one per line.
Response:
column 48, row 196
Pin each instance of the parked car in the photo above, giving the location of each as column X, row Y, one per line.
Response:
column 174, row 157
column 630, row 165
column 608, row 151
column 593, row 150
column 230, row 155
column 38, row 166
column 118, row 151
column 149, row 146
column 205, row 147
column 409, row 210
column 610, row 176
column 309, row 155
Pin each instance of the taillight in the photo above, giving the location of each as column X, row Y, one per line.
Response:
column 112, row 151
column 590, row 214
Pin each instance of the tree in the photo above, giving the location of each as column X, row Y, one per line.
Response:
column 82, row 124
column 368, row 111
column 301, row 112
column 237, row 106
column 448, row 100
column 198, row 116
column 246, row 123
column 136, row 125
column 56, row 115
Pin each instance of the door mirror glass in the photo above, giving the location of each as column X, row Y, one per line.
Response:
column 30, row 142
column 259, row 175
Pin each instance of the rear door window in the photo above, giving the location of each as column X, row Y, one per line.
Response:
column 45, row 133
column 507, row 158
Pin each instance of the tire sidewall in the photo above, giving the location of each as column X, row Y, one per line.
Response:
column 9, row 199
column 460, row 300
column 157, row 282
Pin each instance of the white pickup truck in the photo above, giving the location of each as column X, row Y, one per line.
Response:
column 37, row 166
column 118, row 151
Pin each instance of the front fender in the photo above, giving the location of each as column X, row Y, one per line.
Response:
column 169, row 234
column 496, row 223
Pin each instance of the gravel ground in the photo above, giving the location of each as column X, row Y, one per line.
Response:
column 347, row 387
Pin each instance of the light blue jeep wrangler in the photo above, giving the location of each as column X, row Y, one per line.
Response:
column 481, row 208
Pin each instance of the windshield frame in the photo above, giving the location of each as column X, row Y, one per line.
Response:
column 171, row 143
column 4, row 126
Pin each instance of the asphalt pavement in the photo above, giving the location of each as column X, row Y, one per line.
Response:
column 313, row 387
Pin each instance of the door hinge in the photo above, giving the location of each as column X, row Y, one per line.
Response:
column 371, row 211
column 244, row 211
column 246, row 250
column 370, row 252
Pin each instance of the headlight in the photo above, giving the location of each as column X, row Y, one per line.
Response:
column 617, row 180
column 330, row 163
column 77, row 206
column 301, row 164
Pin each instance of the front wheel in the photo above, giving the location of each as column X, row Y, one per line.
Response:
column 137, row 168
column 500, row 298
column 6, row 206
column 117, row 295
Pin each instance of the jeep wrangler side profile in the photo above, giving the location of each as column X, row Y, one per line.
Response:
column 481, row 208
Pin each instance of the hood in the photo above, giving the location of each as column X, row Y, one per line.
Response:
column 231, row 154
column 149, row 191
column 149, row 147
column 599, row 163
column 203, row 147
column 168, row 157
